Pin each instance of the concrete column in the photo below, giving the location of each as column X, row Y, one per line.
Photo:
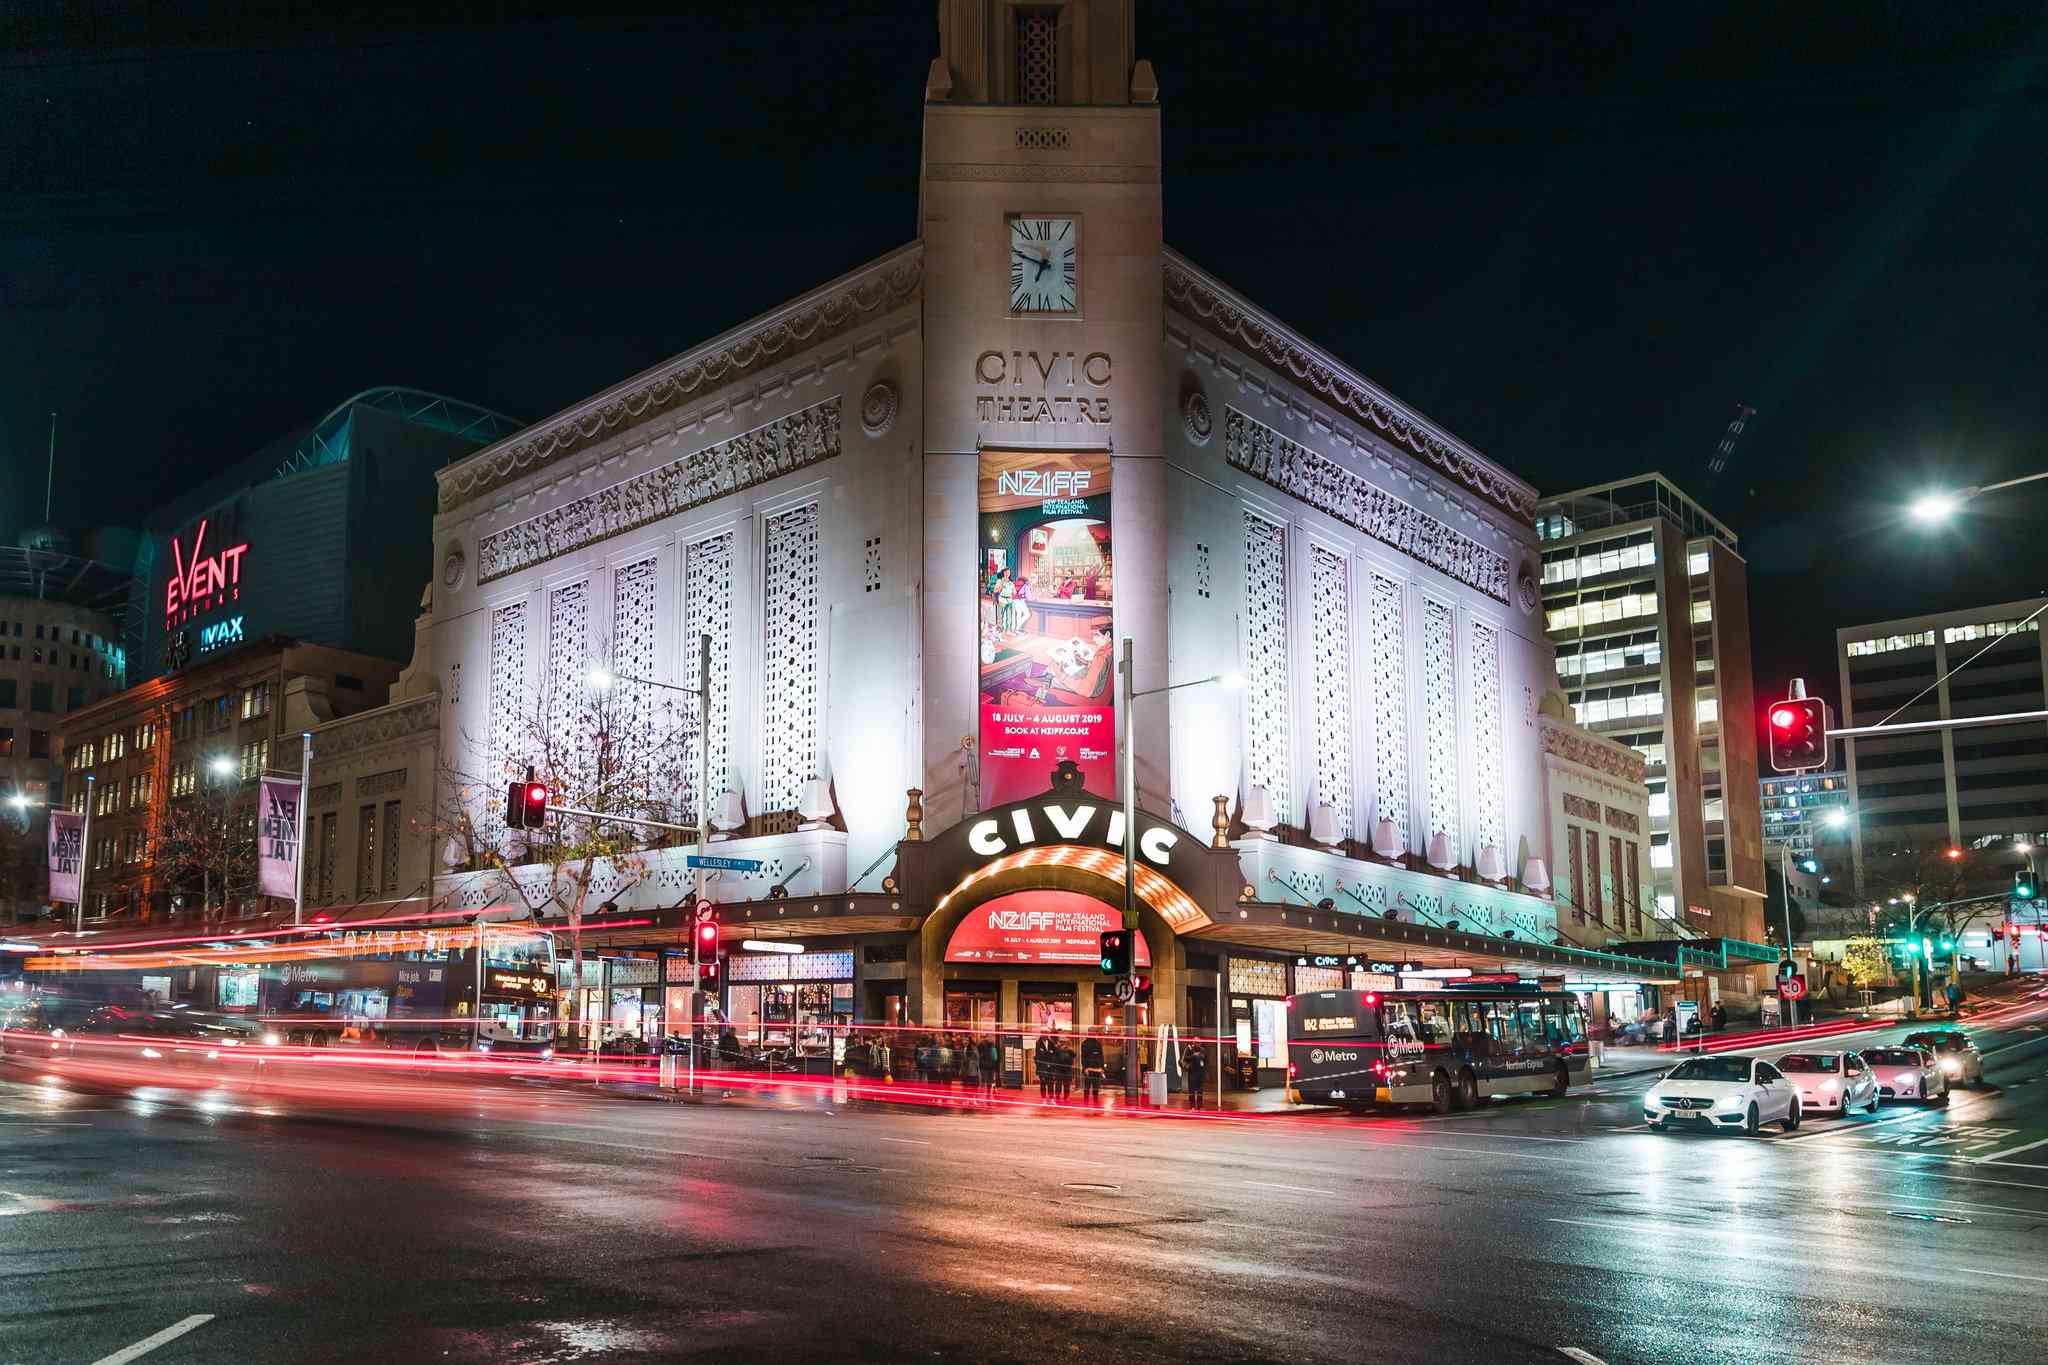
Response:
column 1008, row 1010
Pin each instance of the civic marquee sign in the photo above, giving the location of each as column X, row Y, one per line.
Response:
column 1060, row 928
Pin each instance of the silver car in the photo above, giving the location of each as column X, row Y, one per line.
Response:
column 1907, row 1073
column 1831, row 1082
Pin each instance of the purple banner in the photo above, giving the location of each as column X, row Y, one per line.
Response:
column 67, row 854
column 277, row 836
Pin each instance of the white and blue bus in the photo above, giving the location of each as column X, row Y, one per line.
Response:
column 1448, row 1049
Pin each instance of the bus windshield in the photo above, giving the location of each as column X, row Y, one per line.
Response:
column 1336, row 1014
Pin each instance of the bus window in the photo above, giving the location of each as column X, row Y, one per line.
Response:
column 1500, row 1023
column 1468, row 1019
column 1433, row 1018
column 1400, row 1022
column 1574, row 1021
column 1554, row 1011
column 1533, row 1035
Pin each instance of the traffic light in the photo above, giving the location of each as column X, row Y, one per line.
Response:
column 1799, row 734
column 1144, row 991
column 2023, row 885
column 1116, row 952
column 704, row 945
column 526, row 804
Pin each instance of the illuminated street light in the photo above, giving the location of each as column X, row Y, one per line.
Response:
column 599, row 677
column 221, row 765
column 1931, row 509
column 1836, row 819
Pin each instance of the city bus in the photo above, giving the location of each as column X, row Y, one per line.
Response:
column 1448, row 1049
column 410, row 985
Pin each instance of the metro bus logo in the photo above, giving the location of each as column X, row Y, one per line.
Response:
column 203, row 582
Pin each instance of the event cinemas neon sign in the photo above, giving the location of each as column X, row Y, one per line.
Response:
column 203, row 581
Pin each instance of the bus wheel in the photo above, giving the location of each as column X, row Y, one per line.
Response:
column 1467, row 1093
column 1564, row 1080
column 1440, row 1093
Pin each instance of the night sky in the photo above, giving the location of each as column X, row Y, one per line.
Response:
column 1576, row 236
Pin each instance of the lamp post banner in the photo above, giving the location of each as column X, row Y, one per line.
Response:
column 277, row 836
column 1043, row 595
column 67, row 854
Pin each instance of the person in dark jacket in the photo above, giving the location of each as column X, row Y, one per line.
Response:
column 1720, row 1016
column 1042, row 1063
column 1062, row 1072
column 1091, row 1067
column 991, row 1067
column 1194, row 1064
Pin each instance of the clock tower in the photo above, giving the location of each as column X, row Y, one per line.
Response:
column 1039, row 211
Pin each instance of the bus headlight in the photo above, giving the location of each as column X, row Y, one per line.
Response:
column 271, row 1037
column 547, row 1054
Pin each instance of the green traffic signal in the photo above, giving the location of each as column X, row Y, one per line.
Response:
column 2023, row 885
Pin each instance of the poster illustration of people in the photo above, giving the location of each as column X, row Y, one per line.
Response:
column 1045, row 602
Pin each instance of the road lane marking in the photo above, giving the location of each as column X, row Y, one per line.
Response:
column 2001, row 1274
column 2007, row 1047
column 2012, row 1151
column 1583, row 1357
column 1900, row 1117
column 1298, row 1189
column 909, row 1142
column 150, row 1343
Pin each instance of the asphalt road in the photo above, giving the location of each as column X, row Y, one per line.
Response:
column 544, row 1224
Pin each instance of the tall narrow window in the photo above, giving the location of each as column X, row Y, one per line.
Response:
column 389, row 881
column 508, row 696
column 1635, row 890
column 1266, row 748
column 1440, row 718
column 1037, row 57
column 792, row 671
column 328, row 833
column 1593, row 899
column 707, row 583
column 1578, row 878
column 1622, row 908
column 1389, row 706
column 1330, row 610
column 366, row 850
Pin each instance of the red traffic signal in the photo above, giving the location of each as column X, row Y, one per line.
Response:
column 1799, row 734
column 526, row 805
column 704, row 944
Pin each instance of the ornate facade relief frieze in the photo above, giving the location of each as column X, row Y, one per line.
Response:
column 1265, row 454
column 1590, row 751
column 1189, row 292
column 797, row 441
column 339, row 739
column 879, row 288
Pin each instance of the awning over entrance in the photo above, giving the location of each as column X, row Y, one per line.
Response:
column 812, row 917
column 1302, row 931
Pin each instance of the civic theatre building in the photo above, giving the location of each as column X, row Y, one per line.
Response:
column 917, row 511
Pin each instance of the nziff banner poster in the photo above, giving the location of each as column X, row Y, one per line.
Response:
column 277, row 836
column 1045, row 602
column 67, row 854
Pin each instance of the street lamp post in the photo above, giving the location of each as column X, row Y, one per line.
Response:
column 84, row 858
column 1936, row 506
column 1230, row 682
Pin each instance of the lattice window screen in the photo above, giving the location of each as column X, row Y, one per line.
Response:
column 1037, row 57
column 570, row 742
column 508, row 702
column 1440, row 718
column 633, row 653
column 1265, row 662
column 1330, row 610
column 793, row 721
column 707, row 577
column 1487, row 743
column 1390, row 706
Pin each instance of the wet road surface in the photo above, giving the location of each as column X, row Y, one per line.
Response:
column 544, row 1223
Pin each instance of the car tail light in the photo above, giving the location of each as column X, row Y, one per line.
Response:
column 1292, row 1071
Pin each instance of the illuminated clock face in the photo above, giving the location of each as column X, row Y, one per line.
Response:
column 1045, row 264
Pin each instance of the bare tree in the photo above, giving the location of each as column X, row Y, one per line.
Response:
column 624, row 750
column 207, row 843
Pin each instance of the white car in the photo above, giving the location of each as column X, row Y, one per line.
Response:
column 1713, row 1094
column 1831, row 1082
column 1907, row 1073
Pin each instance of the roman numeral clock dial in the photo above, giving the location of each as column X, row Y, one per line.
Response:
column 1045, row 262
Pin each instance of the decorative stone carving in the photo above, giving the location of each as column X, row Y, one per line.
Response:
column 1579, row 808
column 454, row 564
column 1196, row 417
column 783, row 446
column 1267, row 455
column 878, row 407
column 1059, row 173
column 378, row 784
column 882, row 286
column 1527, row 590
column 1623, row 820
column 386, row 725
column 1192, row 293
column 1589, row 751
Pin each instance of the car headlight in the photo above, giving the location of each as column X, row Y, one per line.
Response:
column 1950, row 1066
column 271, row 1037
column 151, row 1052
column 546, row 1053
column 1730, row 1102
